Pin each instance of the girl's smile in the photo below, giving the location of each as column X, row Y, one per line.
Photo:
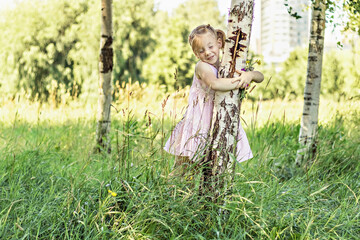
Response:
column 207, row 48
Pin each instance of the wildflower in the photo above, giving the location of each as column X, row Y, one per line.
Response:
column 258, row 61
column 188, row 177
column 114, row 194
column 248, row 61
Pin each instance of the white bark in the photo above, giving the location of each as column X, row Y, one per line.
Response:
column 227, row 104
column 105, row 83
column 309, row 120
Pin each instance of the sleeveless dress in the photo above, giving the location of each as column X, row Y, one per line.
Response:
column 191, row 134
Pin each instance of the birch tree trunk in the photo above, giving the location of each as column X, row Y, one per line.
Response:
column 218, row 165
column 309, row 120
column 105, row 83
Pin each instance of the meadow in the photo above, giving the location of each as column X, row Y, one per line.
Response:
column 52, row 185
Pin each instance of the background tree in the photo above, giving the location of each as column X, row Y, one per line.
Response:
column 105, row 83
column 308, row 130
column 309, row 120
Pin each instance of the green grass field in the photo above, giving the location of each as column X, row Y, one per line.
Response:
column 53, row 187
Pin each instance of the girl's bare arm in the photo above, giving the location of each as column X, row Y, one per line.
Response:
column 205, row 73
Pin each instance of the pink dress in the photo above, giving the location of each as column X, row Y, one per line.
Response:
column 191, row 134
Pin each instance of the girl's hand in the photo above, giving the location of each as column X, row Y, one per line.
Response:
column 244, row 79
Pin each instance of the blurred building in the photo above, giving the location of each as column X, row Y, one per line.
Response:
column 281, row 33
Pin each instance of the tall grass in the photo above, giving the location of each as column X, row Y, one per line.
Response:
column 53, row 187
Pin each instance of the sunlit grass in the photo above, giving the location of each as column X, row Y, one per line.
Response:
column 53, row 187
column 140, row 99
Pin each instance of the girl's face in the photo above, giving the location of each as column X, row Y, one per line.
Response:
column 207, row 48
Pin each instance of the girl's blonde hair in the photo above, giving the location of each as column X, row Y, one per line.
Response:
column 202, row 29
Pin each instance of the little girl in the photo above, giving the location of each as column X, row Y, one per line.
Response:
column 191, row 133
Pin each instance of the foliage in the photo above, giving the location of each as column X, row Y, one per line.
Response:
column 173, row 54
column 293, row 78
column 333, row 78
column 352, row 7
column 340, row 77
column 195, row 14
column 134, row 39
column 285, row 81
column 50, row 50
column 51, row 187
column 352, row 77
column 335, row 14
column 47, row 58
column 38, row 52
column 290, row 10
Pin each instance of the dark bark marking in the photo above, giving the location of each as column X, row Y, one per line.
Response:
column 106, row 58
column 222, row 140
column 221, row 72
column 230, row 74
column 231, row 148
column 319, row 37
column 223, row 103
column 234, row 110
column 241, row 34
column 106, row 55
column 228, row 123
column 227, row 119
column 236, row 49
column 239, row 11
column 313, row 58
column 313, row 75
column 216, row 126
column 108, row 41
